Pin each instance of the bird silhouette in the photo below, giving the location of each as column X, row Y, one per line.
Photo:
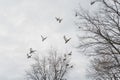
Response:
column 43, row 38
column 58, row 19
column 32, row 51
column 92, row 2
column 70, row 53
column 66, row 40
column 29, row 56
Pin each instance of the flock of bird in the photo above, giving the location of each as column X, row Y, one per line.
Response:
column 66, row 39
column 58, row 19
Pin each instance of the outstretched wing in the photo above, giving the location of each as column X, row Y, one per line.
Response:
column 69, row 39
column 60, row 20
column 42, row 37
column 65, row 38
column 57, row 18
column 45, row 37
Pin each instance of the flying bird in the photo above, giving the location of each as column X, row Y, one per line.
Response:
column 43, row 38
column 32, row 51
column 58, row 19
column 28, row 56
column 66, row 40
column 70, row 53
column 92, row 2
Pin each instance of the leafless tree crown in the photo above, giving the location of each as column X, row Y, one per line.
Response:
column 102, row 38
column 52, row 67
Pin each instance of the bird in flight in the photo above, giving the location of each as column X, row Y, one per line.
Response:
column 70, row 53
column 28, row 56
column 66, row 40
column 32, row 51
column 92, row 2
column 58, row 19
column 43, row 38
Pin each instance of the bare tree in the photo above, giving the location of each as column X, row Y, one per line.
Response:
column 102, row 38
column 51, row 67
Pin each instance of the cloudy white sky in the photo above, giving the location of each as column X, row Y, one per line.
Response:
column 21, row 24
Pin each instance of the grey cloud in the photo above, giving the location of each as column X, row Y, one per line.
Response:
column 21, row 24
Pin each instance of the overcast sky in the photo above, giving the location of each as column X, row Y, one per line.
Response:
column 21, row 24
